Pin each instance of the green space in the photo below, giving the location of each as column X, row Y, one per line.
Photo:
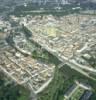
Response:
column 37, row 51
column 45, row 10
column 11, row 91
column 78, row 93
column 93, row 97
column 35, row 9
column 57, row 88
column 45, row 56
column 48, row 12
column 27, row 33
column 63, row 79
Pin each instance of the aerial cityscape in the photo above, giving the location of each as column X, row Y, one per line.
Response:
column 47, row 49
